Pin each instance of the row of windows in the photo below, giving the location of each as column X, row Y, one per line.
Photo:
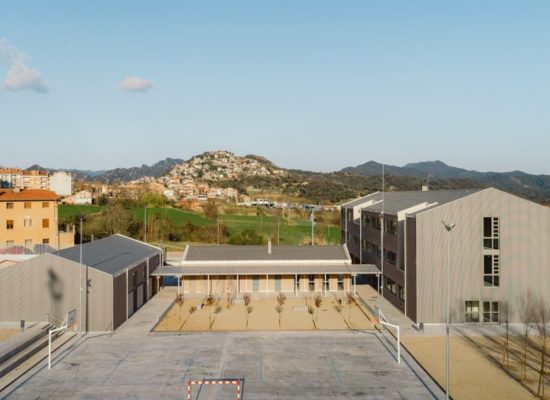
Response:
column 490, row 312
column 27, row 223
column 28, row 242
column 491, row 258
column 372, row 221
column 10, row 205
column 395, row 289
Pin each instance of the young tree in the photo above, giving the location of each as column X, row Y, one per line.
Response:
column 318, row 301
column 505, row 313
column 527, row 316
column 210, row 210
column 248, row 308
column 192, row 310
column 281, row 298
column 248, row 311
column 542, row 319
column 311, row 312
column 350, row 300
column 279, row 310
column 179, row 302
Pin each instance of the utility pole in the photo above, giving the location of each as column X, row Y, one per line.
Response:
column 278, row 231
column 312, row 219
column 145, row 235
column 218, row 226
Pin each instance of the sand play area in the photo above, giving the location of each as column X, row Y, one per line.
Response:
column 8, row 332
column 473, row 375
column 265, row 314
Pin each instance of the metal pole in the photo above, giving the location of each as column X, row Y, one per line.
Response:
column 80, row 280
column 145, row 218
column 449, row 227
column 218, row 226
column 447, row 316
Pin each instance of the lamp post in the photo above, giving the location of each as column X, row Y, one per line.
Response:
column 80, row 280
column 449, row 227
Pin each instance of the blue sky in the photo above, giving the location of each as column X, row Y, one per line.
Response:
column 309, row 84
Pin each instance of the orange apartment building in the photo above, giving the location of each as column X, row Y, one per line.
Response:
column 16, row 178
column 30, row 217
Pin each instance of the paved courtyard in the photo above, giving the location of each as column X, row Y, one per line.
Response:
column 134, row 363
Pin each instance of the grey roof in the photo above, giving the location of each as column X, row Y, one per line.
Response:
column 265, row 269
column 260, row 253
column 361, row 200
column 111, row 255
column 399, row 201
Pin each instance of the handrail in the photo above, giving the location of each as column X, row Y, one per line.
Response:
column 60, row 322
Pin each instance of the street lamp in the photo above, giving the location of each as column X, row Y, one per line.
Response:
column 449, row 227
column 80, row 279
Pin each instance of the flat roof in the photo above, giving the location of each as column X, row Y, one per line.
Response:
column 260, row 253
column 112, row 254
column 266, row 269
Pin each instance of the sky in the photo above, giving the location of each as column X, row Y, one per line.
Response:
column 316, row 85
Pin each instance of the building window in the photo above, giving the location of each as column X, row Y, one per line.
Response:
column 471, row 311
column 9, row 205
column 45, row 204
column 373, row 249
column 390, row 226
column 390, row 257
column 311, row 283
column 255, row 283
column 341, row 282
column 27, row 222
column 401, row 292
column 45, row 223
column 491, row 233
column 297, row 282
column 45, row 241
column 491, row 270
column 9, row 224
column 375, row 222
column 390, row 285
column 9, row 242
column 490, row 311
column 28, row 242
column 134, row 279
column 28, row 205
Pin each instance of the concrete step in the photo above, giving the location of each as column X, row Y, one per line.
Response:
column 13, row 345
column 32, row 361
column 38, row 342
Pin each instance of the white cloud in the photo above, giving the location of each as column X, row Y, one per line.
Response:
column 135, row 84
column 20, row 76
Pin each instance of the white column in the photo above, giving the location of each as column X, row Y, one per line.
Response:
column 325, row 285
column 295, row 284
column 355, row 285
column 238, row 285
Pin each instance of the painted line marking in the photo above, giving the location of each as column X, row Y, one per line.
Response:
column 336, row 373
column 261, row 366
column 191, row 361
column 113, row 370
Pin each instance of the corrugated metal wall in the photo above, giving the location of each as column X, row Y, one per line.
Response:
column 50, row 284
column 524, row 253
column 41, row 285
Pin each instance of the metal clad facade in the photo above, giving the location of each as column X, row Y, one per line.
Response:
column 524, row 253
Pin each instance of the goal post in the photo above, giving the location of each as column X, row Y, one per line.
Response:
column 231, row 382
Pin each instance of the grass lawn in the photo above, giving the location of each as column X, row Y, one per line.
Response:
column 290, row 232
column 178, row 217
column 69, row 211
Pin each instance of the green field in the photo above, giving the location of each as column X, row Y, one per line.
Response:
column 284, row 231
column 66, row 211
column 178, row 217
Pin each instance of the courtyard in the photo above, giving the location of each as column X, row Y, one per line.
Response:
column 309, row 312
column 136, row 363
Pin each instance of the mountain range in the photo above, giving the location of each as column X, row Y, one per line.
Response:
column 351, row 181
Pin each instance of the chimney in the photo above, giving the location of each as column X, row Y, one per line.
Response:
column 269, row 246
